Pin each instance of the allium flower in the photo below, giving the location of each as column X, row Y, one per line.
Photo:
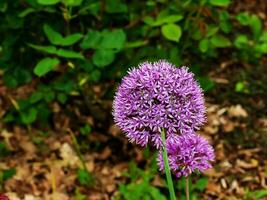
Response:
column 158, row 95
column 186, row 154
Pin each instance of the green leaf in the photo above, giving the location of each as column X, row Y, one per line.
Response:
column 263, row 37
column 71, row 39
column 135, row 44
column 116, row 6
column 26, row 12
column 204, row 45
column 219, row 2
column 102, row 58
column 243, row 18
column 57, row 39
column 263, row 48
column 69, row 54
column 113, row 40
column 149, row 20
column 95, row 75
column 36, row 96
column 48, row 2
column 171, row 32
column 47, row 49
column 206, row 83
column 240, row 87
column 3, row 149
column 220, row 41
column 167, row 20
column 72, row 2
column 29, row 116
column 45, row 65
column 201, row 184
column 62, row 98
column 91, row 40
column 84, row 177
column 7, row 174
column 241, row 41
column 259, row 194
column 60, row 52
column 211, row 30
column 256, row 26
column 85, row 130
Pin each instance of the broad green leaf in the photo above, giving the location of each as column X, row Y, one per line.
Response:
column 113, row 40
column 136, row 44
column 59, row 52
column 53, row 36
column 8, row 173
column 85, row 130
column 71, row 39
column 3, row 147
column 3, row 6
column 256, row 26
column 95, row 75
column 167, row 20
column 48, row 2
column 241, row 41
column 260, row 194
column 171, row 32
column 263, row 48
column 226, row 26
column 29, row 116
column 204, row 45
column 102, row 58
column 240, row 87
column 149, row 20
column 263, row 37
column 211, row 30
column 116, row 6
column 57, row 39
column 26, row 12
column 224, row 15
column 243, row 18
column 84, row 177
column 47, row 49
column 206, row 83
column 219, row 2
column 72, row 2
column 201, row 184
column 45, row 65
column 62, row 98
column 69, row 54
column 92, row 8
column 91, row 40
column 36, row 96
column 220, row 41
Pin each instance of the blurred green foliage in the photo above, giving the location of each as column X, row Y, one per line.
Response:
column 61, row 46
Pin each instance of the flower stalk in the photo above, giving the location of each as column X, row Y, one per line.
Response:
column 167, row 167
column 187, row 188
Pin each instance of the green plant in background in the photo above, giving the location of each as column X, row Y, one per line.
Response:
column 194, row 189
column 5, row 175
column 140, row 184
column 81, row 42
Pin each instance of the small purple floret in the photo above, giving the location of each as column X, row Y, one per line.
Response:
column 188, row 153
column 155, row 96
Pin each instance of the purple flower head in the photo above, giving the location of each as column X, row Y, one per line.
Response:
column 155, row 96
column 186, row 154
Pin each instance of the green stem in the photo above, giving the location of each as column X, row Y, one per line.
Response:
column 167, row 167
column 77, row 148
column 187, row 188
